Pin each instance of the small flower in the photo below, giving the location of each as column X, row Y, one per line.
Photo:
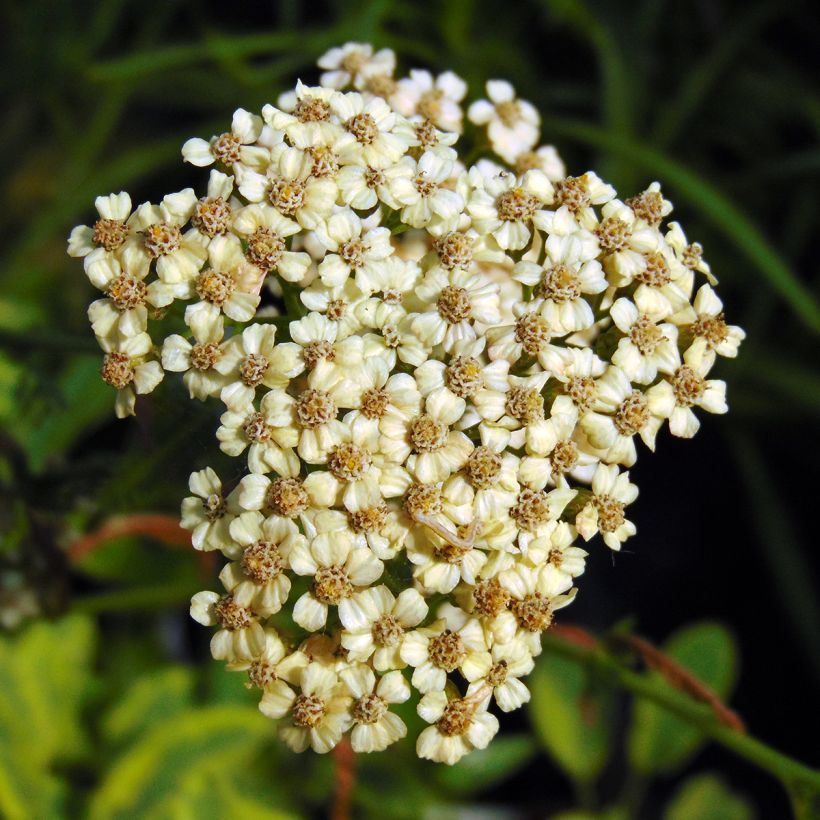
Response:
column 127, row 368
column 354, row 64
column 376, row 622
column 510, row 662
column 197, row 360
column 209, row 513
column 337, row 567
column 240, row 636
column 109, row 232
column 418, row 187
column 460, row 725
column 437, row 100
column 375, row 726
column 317, row 717
column 232, row 147
column 454, row 642
column 605, row 511
column 512, row 124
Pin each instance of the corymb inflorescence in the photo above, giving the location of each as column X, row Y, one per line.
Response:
column 436, row 377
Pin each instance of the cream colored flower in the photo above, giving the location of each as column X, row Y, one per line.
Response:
column 505, row 205
column 232, row 147
column 375, row 624
column 256, row 578
column 690, row 388
column 353, row 249
column 455, row 641
column 437, row 100
column 240, row 636
column 108, row 234
column 354, row 64
column 197, row 360
column 510, row 662
column 266, row 232
column 455, row 300
column 647, row 347
column 375, row 726
column 373, row 138
column 460, row 725
column 612, row 492
column 155, row 235
column 209, row 512
column 128, row 368
column 337, row 567
column 513, row 124
column 317, row 717
column 418, row 187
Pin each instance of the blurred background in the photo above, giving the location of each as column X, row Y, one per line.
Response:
column 110, row 705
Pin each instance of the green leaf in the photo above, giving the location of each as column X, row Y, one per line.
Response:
column 706, row 797
column 659, row 742
column 44, row 679
column 572, row 716
column 152, row 698
column 483, row 769
column 146, row 779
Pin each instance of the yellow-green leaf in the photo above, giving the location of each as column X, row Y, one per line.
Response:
column 572, row 716
column 659, row 742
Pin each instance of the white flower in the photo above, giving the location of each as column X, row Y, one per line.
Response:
column 376, row 727
column 266, row 231
column 454, row 642
column 337, row 567
column 127, row 368
column 256, row 577
column 209, row 513
column 371, row 126
column 510, row 662
column 604, row 512
column 230, row 285
column 710, row 325
column 545, row 159
column 268, row 433
column 232, row 147
column 620, row 412
column 690, row 388
column 375, row 623
column 690, row 254
column 108, row 233
column 418, row 187
column 647, row 347
column 272, row 666
column 240, row 636
column 317, row 717
column 197, row 360
column 156, row 234
column 505, row 205
column 427, row 446
column 290, row 186
column 353, row 250
column 512, row 124
column 354, row 64
column 460, row 725
column 435, row 100
column 253, row 359
column 124, row 311
column 454, row 301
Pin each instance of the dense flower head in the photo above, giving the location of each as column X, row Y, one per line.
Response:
column 435, row 376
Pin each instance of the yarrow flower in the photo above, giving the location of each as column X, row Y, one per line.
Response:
column 434, row 379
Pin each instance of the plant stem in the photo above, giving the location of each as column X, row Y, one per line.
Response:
column 796, row 777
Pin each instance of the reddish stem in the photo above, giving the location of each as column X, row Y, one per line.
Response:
column 345, row 763
column 163, row 528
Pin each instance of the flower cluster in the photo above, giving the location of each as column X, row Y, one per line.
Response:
column 437, row 376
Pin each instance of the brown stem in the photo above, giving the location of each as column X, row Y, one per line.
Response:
column 163, row 528
column 680, row 677
column 344, row 759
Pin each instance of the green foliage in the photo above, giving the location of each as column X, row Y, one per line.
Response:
column 572, row 714
column 659, row 742
column 488, row 767
column 44, row 679
column 706, row 797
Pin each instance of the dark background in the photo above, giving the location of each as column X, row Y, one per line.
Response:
column 718, row 100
